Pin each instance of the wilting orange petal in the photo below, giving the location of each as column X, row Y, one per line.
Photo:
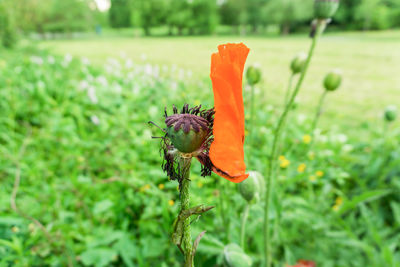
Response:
column 226, row 151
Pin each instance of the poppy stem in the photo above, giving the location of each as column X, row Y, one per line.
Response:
column 272, row 158
column 184, row 165
column 288, row 89
column 243, row 225
column 317, row 116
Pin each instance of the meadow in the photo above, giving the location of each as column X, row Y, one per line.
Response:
column 370, row 62
column 81, row 176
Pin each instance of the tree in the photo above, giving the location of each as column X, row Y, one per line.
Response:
column 149, row 13
column 120, row 13
column 288, row 13
column 8, row 30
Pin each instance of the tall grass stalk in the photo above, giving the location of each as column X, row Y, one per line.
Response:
column 272, row 157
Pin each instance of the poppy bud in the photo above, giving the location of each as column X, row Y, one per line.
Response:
column 235, row 257
column 325, row 9
column 253, row 75
column 250, row 188
column 187, row 132
column 332, row 80
column 390, row 113
column 298, row 63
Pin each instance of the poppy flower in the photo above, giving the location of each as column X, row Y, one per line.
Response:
column 226, row 151
column 214, row 136
column 303, row 263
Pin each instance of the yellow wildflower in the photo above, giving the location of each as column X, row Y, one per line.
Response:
column 144, row 188
column 161, row 186
column 171, row 202
column 246, row 132
column 200, row 184
column 301, row 168
column 197, row 102
column 312, row 178
column 307, row 139
column 319, row 173
column 15, row 229
column 285, row 163
column 339, row 201
column 282, row 158
column 335, row 207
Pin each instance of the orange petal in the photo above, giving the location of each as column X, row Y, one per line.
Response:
column 226, row 151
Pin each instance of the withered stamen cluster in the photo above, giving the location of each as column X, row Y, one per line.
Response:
column 188, row 119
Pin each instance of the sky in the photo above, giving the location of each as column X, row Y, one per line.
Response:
column 103, row 4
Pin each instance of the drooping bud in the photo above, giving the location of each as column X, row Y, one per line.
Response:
column 234, row 256
column 187, row 132
column 325, row 9
column 253, row 75
column 390, row 113
column 298, row 63
column 251, row 188
column 333, row 80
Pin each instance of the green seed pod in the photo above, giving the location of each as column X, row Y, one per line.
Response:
column 253, row 75
column 187, row 132
column 251, row 188
column 325, row 9
column 390, row 113
column 298, row 63
column 235, row 257
column 333, row 80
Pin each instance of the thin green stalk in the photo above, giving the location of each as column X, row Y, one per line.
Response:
column 243, row 225
column 185, row 198
column 319, row 112
column 288, row 89
column 272, row 158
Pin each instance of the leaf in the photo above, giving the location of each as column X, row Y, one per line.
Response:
column 126, row 249
column 102, row 206
column 364, row 197
column 98, row 257
column 197, row 241
column 235, row 257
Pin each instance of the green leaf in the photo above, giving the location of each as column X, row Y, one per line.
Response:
column 102, row 206
column 126, row 249
column 364, row 197
column 235, row 257
column 98, row 257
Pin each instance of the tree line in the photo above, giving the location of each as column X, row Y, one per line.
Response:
column 188, row 16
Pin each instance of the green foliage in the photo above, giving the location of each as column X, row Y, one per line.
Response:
column 8, row 35
column 91, row 175
column 119, row 13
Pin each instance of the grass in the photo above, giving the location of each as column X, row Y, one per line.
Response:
column 76, row 138
column 369, row 61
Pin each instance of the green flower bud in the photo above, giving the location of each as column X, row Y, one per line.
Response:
column 325, row 9
column 390, row 113
column 187, row 132
column 252, row 187
column 235, row 257
column 298, row 63
column 332, row 80
column 253, row 75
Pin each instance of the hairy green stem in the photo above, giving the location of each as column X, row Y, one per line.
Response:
column 288, row 89
column 272, row 158
column 319, row 112
column 185, row 198
column 243, row 225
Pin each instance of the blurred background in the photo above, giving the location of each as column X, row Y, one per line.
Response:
column 81, row 179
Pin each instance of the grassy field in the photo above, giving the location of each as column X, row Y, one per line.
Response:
column 81, row 176
column 370, row 63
